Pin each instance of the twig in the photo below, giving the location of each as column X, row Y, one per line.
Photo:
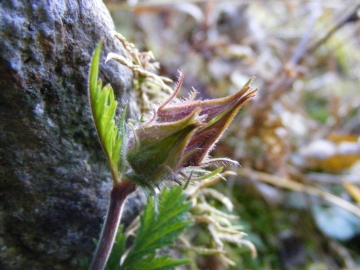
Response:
column 296, row 186
column 351, row 17
column 301, row 48
column 332, row 178
column 286, row 76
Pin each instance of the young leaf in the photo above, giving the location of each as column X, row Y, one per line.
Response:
column 159, row 230
column 103, row 108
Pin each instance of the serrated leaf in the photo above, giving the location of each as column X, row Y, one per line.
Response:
column 103, row 108
column 159, row 230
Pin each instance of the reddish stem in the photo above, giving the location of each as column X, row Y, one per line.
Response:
column 118, row 195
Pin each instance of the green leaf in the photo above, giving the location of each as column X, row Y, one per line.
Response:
column 158, row 231
column 103, row 109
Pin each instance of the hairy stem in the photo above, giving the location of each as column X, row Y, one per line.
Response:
column 118, row 195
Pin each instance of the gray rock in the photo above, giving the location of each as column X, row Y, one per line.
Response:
column 54, row 181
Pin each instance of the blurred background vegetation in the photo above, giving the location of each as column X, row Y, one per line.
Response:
column 298, row 190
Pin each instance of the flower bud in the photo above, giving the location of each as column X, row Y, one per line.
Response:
column 181, row 135
column 218, row 114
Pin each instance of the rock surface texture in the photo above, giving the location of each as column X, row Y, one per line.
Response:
column 54, row 181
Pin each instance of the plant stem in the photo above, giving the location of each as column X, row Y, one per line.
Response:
column 118, row 195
